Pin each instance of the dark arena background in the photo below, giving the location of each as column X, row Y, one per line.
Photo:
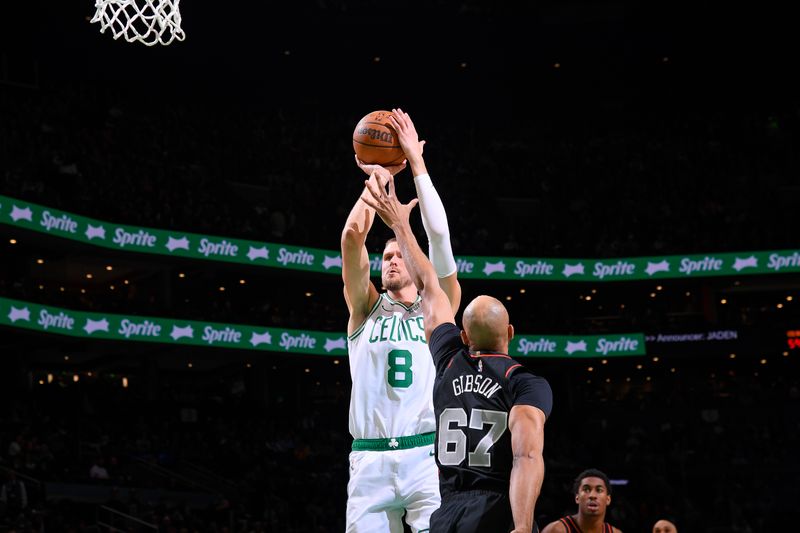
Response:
column 151, row 383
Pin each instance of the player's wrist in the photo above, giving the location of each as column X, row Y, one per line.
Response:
column 417, row 165
column 527, row 527
column 401, row 228
column 414, row 158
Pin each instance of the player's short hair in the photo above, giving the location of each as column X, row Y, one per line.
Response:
column 591, row 472
column 668, row 518
column 391, row 239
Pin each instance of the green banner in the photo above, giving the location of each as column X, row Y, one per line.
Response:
column 155, row 241
column 19, row 314
column 48, row 319
column 574, row 346
column 30, row 216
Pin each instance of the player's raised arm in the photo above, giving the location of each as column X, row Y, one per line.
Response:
column 434, row 217
column 436, row 307
column 359, row 292
column 526, row 424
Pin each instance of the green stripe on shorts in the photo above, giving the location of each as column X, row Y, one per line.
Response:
column 394, row 443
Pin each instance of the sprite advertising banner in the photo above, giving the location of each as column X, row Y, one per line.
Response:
column 33, row 217
column 27, row 315
column 577, row 346
column 49, row 319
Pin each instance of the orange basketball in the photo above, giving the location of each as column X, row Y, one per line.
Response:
column 375, row 140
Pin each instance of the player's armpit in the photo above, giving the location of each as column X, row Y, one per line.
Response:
column 358, row 314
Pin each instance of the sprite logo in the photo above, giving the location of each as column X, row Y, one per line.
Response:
column 542, row 345
column 464, row 266
column 620, row 268
column 211, row 335
column 140, row 238
column 62, row 223
column 18, row 214
column 707, row 264
column 778, row 261
column 130, row 328
column 539, row 268
column 61, row 320
column 300, row 257
column 209, row 247
column 624, row 344
column 302, row 341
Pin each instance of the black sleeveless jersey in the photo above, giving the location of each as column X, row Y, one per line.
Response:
column 472, row 397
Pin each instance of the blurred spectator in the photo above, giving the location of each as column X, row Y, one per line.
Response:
column 98, row 470
column 13, row 496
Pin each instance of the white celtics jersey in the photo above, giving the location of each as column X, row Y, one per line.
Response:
column 392, row 373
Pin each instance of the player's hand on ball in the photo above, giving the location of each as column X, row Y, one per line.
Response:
column 369, row 169
column 406, row 134
column 386, row 204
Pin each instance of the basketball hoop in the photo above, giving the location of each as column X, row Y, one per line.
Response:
column 150, row 22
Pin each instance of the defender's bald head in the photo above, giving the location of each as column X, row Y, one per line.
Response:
column 486, row 324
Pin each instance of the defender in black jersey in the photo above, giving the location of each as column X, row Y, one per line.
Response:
column 473, row 394
column 490, row 410
column 592, row 494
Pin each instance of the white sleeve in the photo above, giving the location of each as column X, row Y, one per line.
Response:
column 434, row 219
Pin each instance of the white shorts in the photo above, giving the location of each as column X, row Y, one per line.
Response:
column 384, row 485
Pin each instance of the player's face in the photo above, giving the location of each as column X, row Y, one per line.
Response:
column 393, row 272
column 592, row 497
column 664, row 526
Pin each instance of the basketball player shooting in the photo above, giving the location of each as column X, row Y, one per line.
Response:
column 392, row 467
column 490, row 410
column 434, row 218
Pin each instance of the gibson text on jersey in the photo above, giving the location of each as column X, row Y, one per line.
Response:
column 475, row 383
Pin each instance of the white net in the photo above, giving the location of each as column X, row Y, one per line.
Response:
column 147, row 21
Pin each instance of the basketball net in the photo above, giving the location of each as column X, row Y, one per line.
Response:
column 148, row 21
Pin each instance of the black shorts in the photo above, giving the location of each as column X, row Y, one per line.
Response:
column 474, row 511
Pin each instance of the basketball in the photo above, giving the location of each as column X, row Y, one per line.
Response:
column 375, row 140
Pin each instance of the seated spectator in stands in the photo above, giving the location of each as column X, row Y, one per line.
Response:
column 98, row 470
column 13, row 497
column 15, row 447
